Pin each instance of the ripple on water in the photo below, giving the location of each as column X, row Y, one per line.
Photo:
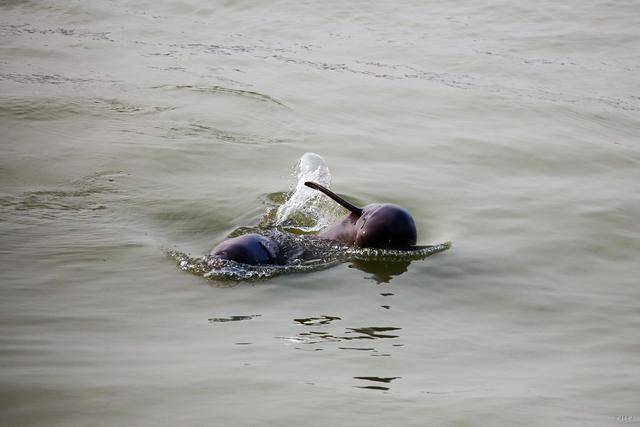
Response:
column 232, row 318
column 87, row 195
column 39, row 109
column 319, row 339
column 376, row 380
column 198, row 129
column 349, row 334
column 222, row 90
column 322, row 320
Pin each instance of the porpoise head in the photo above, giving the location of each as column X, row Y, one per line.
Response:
column 249, row 249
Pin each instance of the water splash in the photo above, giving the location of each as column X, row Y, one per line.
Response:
column 306, row 209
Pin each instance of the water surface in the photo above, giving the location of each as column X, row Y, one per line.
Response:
column 131, row 127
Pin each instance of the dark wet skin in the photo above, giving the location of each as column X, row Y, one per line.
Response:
column 250, row 249
column 383, row 226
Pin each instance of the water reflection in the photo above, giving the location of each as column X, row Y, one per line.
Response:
column 321, row 332
column 382, row 271
column 371, row 332
column 233, row 318
column 377, row 381
column 350, row 334
column 322, row 320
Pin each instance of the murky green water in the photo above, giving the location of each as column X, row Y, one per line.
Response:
column 509, row 129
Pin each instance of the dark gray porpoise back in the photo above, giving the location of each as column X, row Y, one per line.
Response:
column 249, row 249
